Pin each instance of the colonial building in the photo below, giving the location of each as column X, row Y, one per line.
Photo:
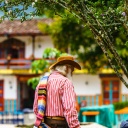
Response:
column 20, row 44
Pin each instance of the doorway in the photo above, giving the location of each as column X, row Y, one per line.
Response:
column 110, row 89
column 25, row 93
column 1, row 96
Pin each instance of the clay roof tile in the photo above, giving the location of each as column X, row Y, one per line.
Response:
column 28, row 27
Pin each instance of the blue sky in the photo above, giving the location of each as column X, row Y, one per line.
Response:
column 28, row 10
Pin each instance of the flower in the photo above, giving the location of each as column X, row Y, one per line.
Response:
column 115, row 28
column 123, row 13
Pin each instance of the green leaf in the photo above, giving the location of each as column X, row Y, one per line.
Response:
column 126, row 43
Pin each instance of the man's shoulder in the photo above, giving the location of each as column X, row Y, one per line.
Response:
column 43, row 78
column 57, row 76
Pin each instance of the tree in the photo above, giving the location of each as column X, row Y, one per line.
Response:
column 101, row 16
column 78, row 39
column 81, row 42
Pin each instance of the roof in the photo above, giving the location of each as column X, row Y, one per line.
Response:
column 28, row 27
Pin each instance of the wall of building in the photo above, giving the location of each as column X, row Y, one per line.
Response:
column 86, row 84
column 124, row 89
column 41, row 43
column 10, row 86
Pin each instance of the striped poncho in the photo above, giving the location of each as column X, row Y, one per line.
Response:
column 40, row 98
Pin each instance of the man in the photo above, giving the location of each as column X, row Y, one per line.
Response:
column 60, row 104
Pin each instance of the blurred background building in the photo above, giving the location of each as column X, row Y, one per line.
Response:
column 20, row 44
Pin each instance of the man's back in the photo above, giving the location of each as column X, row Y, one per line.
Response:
column 55, row 85
column 61, row 99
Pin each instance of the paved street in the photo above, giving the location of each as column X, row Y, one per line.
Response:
column 7, row 126
column 92, row 125
column 83, row 126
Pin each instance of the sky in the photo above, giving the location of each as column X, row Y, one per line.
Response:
column 28, row 10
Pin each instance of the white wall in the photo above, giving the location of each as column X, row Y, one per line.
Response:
column 28, row 44
column 124, row 88
column 41, row 44
column 86, row 84
column 10, row 86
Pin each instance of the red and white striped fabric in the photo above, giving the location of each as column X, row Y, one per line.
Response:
column 61, row 99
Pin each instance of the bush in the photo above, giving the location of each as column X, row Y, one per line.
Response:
column 120, row 105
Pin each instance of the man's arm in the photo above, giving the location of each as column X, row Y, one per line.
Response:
column 35, row 104
column 35, row 108
column 40, row 100
column 68, row 101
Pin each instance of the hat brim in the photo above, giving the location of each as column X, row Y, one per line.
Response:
column 70, row 62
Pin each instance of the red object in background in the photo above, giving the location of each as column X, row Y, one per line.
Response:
column 77, row 107
column 83, row 103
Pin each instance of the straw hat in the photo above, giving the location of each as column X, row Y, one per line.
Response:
column 66, row 60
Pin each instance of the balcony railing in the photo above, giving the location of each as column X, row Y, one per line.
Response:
column 20, row 63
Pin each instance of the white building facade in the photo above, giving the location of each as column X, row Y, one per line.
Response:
column 15, row 94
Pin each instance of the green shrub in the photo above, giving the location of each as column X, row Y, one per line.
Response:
column 120, row 105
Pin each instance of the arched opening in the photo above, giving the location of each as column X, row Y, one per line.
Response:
column 13, row 52
column 12, row 47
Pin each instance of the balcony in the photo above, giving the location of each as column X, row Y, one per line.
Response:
column 20, row 63
column 23, row 66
